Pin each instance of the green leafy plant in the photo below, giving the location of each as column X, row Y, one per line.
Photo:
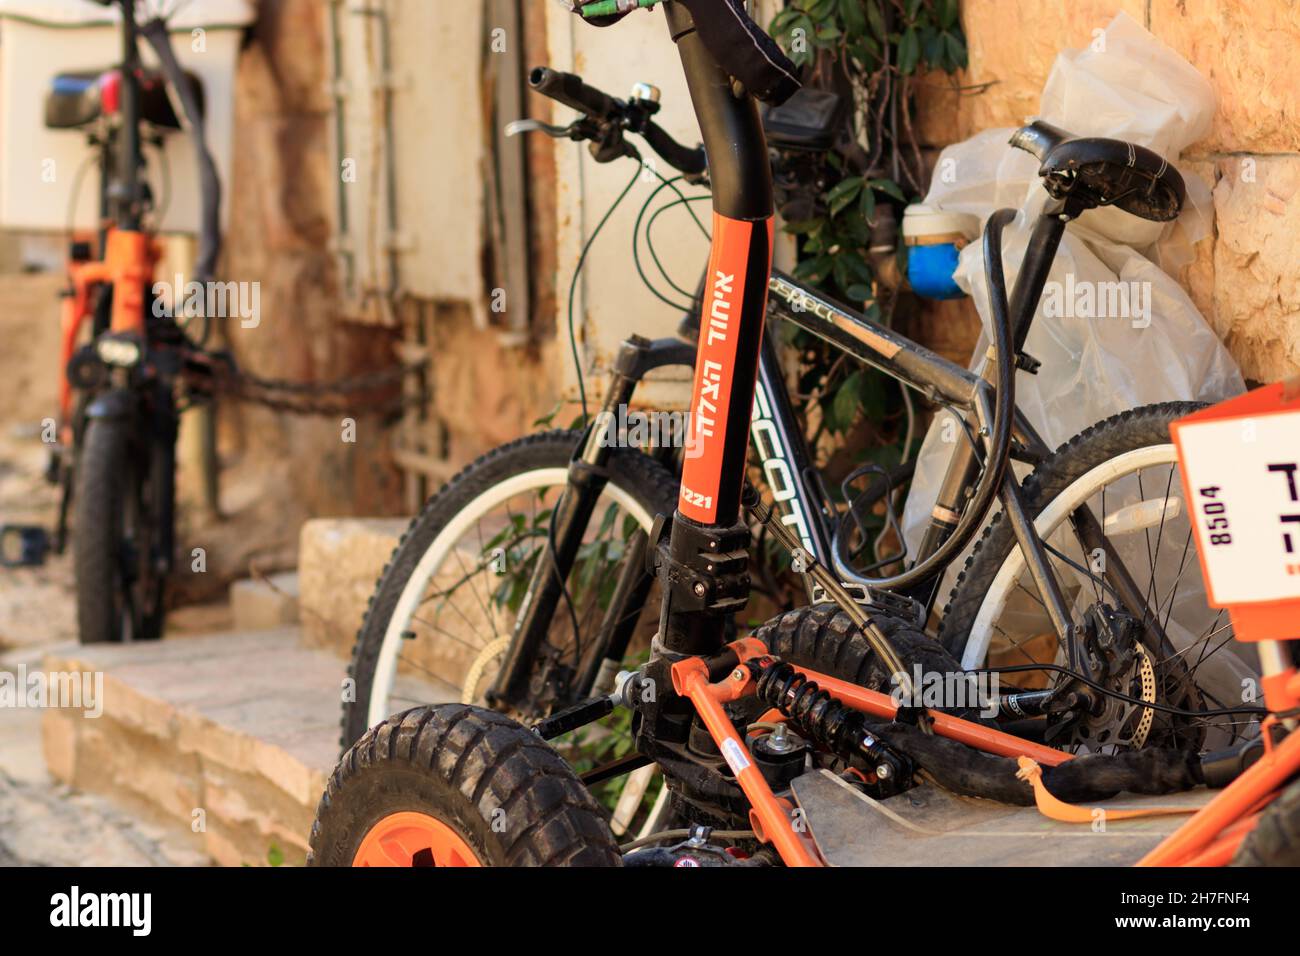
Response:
column 870, row 52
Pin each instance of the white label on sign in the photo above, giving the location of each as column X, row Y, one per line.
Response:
column 1243, row 478
column 735, row 756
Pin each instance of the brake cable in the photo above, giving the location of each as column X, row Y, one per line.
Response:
column 573, row 288
column 636, row 256
column 649, row 235
column 1163, row 708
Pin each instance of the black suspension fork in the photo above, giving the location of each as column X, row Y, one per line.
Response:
column 618, row 626
column 587, row 479
column 572, row 514
column 164, row 429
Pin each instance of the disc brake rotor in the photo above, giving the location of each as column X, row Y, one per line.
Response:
column 1121, row 725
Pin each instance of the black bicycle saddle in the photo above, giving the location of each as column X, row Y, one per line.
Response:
column 1104, row 172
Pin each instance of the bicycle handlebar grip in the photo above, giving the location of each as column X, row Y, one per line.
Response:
column 692, row 162
column 569, row 89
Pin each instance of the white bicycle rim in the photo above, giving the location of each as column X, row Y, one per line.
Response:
column 411, row 596
column 1061, row 507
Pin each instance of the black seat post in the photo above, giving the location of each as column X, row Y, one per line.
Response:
column 128, row 186
column 1040, row 253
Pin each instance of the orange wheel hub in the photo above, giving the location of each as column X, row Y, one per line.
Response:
column 413, row 839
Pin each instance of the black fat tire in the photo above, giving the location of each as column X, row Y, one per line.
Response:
column 1089, row 449
column 1275, row 841
column 823, row 638
column 644, row 479
column 100, row 502
column 106, row 475
column 462, row 764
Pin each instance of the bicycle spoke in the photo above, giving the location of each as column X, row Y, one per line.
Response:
column 1173, row 594
column 1017, row 646
column 402, row 658
column 448, row 634
column 1200, row 641
column 491, row 618
column 1033, row 594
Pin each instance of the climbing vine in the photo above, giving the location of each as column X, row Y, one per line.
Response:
column 871, row 53
column 846, row 206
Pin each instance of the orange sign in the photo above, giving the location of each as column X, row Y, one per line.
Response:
column 1241, row 475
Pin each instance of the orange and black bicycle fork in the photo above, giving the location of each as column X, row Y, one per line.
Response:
column 127, row 254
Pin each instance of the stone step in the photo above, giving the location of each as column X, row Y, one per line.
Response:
column 44, row 822
column 261, row 604
column 230, row 735
column 340, row 561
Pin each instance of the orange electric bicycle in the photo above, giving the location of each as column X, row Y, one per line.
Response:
column 128, row 366
column 821, row 739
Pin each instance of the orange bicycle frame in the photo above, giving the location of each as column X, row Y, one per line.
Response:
column 1207, row 839
column 128, row 265
column 1211, row 837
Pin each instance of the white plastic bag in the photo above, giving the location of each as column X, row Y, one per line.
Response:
column 1126, row 85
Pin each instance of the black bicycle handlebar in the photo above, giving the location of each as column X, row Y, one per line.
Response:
column 598, row 106
column 691, row 162
column 569, row 89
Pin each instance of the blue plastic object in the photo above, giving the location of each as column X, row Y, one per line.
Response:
column 930, row 270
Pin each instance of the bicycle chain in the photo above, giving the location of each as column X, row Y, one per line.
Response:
column 308, row 398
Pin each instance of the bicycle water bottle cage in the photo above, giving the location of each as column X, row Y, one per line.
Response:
column 1093, row 172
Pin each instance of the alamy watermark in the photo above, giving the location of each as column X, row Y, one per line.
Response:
column 216, row 300
column 1083, row 299
column 624, row 428
column 948, row 690
column 133, row 911
column 59, row 690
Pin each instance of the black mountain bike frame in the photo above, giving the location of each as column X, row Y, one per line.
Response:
column 739, row 388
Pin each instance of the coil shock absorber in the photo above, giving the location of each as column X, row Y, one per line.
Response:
column 836, row 726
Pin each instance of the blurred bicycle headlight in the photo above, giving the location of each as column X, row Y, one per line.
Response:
column 122, row 353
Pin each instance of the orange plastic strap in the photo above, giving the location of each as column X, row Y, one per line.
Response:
column 1055, row 809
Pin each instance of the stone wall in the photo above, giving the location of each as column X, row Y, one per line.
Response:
column 280, row 469
column 1245, row 278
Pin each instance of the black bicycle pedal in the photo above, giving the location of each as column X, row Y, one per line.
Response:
column 23, row 546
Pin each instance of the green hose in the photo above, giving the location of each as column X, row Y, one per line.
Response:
column 608, row 8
